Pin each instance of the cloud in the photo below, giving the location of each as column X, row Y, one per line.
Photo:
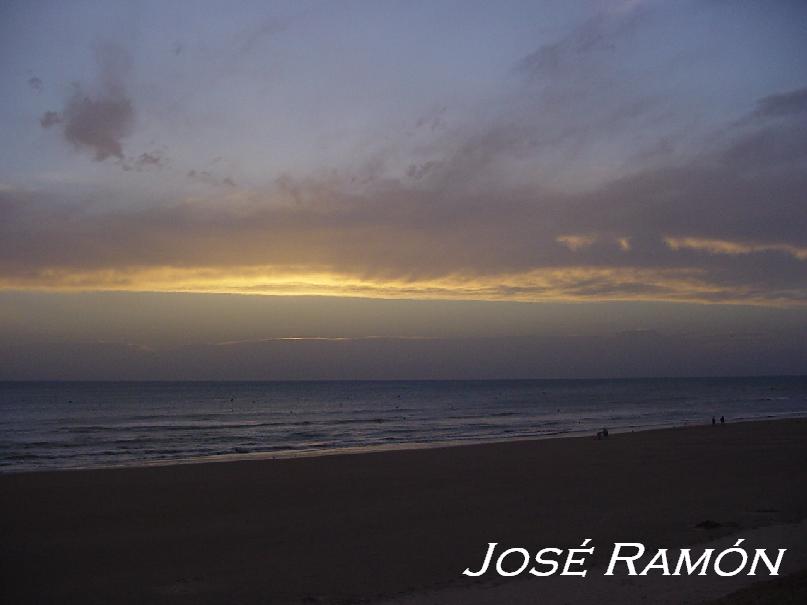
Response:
column 575, row 110
column 253, row 36
column 50, row 118
column 780, row 105
column 733, row 248
column 775, row 133
column 208, row 178
column 151, row 159
column 700, row 230
column 598, row 34
column 98, row 124
column 99, row 121
column 576, row 242
column 705, row 229
column 543, row 196
column 35, row 84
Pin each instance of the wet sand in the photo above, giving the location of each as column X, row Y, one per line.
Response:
column 392, row 525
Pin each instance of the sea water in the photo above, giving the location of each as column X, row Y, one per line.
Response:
column 88, row 424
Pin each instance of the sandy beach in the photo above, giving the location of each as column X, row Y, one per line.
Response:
column 395, row 526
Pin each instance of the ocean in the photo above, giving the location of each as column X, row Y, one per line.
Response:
column 53, row 425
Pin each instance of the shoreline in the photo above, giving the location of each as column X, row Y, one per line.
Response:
column 348, row 528
column 292, row 454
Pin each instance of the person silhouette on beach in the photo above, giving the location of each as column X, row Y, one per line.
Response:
column 713, row 421
column 722, row 420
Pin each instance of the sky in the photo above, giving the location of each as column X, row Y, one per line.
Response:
column 444, row 189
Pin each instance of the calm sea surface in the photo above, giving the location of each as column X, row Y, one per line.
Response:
column 68, row 425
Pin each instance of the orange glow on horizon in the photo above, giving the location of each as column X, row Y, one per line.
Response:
column 537, row 285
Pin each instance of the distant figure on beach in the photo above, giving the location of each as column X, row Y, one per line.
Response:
column 603, row 434
column 722, row 420
column 713, row 421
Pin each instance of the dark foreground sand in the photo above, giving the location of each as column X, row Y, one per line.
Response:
column 358, row 528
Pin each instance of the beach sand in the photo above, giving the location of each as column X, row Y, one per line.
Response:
column 401, row 526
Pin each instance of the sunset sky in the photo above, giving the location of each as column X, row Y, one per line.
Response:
column 229, row 190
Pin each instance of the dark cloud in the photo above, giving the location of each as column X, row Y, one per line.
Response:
column 145, row 161
column 35, row 84
column 208, row 178
column 706, row 229
column 418, row 171
column 592, row 41
column 154, row 158
column 471, row 217
column 99, row 124
column 99, row 121
column 254, row 36
column 50, row 118
column 574, row 102
column 434, row 120
column 785, row 104
column 773, row 135
column 595, row 35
